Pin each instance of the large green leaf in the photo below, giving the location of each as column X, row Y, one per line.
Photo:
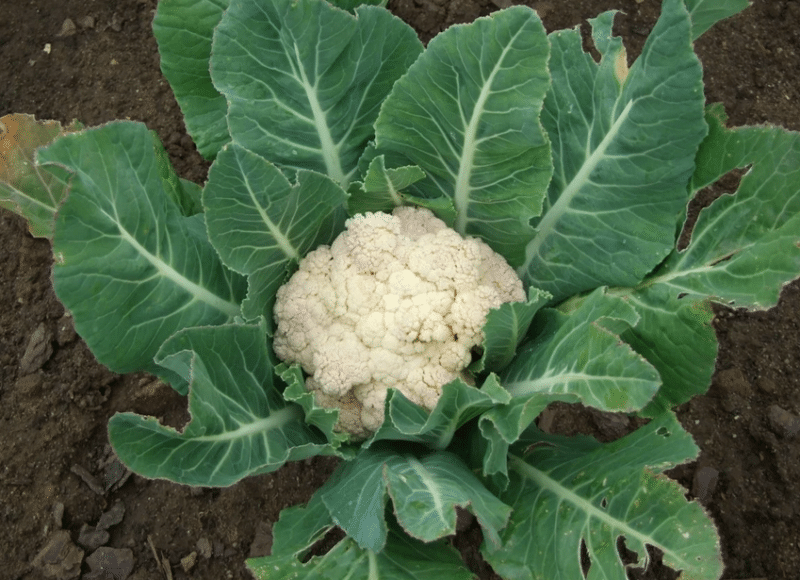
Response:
column 580, row 354
column 425, row 492
column 566, row 492
column 706, row 13
column 500, row 427
column 457, row 404
column 304, row 80
column 28, row 189
column 183, row 29
column 403, row 558
column 577, row 355
column 505, row 329
column 261, row 224
column 240, row 424
column 130, row 266
column 744, row 247
column 624, row 144
column 467, row 113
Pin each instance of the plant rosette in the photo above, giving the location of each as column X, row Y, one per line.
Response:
column 576, row 172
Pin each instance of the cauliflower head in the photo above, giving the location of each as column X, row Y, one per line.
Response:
column 397, row 301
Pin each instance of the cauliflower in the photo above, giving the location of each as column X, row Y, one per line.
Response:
column 397, row 301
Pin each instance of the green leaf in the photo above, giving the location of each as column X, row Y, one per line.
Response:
column 382, row 188
column 744, row 247
column 458, row 404
column 706, row 13
column 505, row 328
column 568, row 491
column 240, row 425
column 299, row 527
column 676, row 337
column 624, row 144
column 184, row 29
column 403, row 558
column 425, row 492
column 351, row 5
column 324, row 418
column 467, row 114
column 261, row 224
column 581, row 354
column 356, row 495
column 576, row 355
column 185, row 194
column 501, row 426
column 131, row 268
column 304, row 80
column 28, row 189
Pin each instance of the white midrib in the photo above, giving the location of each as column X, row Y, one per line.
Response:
column 430, row 484
column 329, row 149
column 202, row 294
column 463, row 189
column 543, row 481
column 280, row 238
column 561, row 206
column 276, row 420
column 548, row 384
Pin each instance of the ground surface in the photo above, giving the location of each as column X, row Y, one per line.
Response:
column 56, row 469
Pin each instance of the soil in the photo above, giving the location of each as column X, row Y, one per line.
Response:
column 61, row 490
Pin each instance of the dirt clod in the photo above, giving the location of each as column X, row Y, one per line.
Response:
column 59, row 558
column 38, row 351
column 104, row 562
column 783, row 422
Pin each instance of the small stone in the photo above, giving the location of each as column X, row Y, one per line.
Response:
column 86, row 22
column 65, row 330
column 38, row 351
column 114, row 562
column 204, row 548
column 782, row 422
column 547, row 420
column 116, row 22
column 88, row 479
column 29, row 384
column 767, row 386
column 704, row 482
column 112, row 517
column 113, row 473
column 188, row 562
column 58, row 515
column 68, row 28
column 91, row 538
column 59, row 558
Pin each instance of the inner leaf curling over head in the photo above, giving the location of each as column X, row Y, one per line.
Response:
column 397, row 301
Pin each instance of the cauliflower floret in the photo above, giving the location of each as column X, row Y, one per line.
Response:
column 397, row 301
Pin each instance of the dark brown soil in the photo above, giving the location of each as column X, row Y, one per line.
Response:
column 56, row 469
